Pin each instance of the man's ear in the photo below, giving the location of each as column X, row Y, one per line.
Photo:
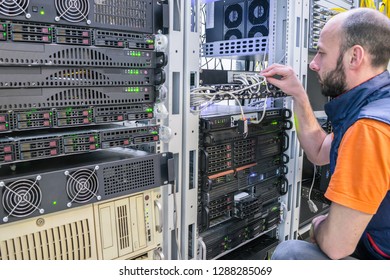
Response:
column 356, row 55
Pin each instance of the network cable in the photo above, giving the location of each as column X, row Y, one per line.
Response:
column 312, row 206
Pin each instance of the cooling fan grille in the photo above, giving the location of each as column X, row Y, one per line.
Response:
column 21, row 198
column 233, row 19
column 258, row 14
column 245, row 19
column 13, row 7
column 72, row 10
column 82, row 185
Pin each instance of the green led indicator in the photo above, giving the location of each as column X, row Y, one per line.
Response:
column 6, row 125
column 149, row 110
column 139, row 53
column 51, row 113
column 274, row 123
column 154, row 132
column 5, row 34
column 136, row 72
column 54, row 202
column 42, row 12
column 137, row 89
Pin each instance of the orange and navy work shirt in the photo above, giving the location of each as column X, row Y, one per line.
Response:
column 362, row 175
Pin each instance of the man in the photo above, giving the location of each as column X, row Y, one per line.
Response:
column 353, row 54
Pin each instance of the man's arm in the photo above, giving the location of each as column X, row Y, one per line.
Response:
column 314, row 140
column 339, row 234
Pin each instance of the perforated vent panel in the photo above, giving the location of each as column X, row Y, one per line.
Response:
column 129, row 177
column 251, row 46
column 66, row 242
column 130, row 13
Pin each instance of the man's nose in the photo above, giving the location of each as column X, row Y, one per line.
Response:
column 314, row 66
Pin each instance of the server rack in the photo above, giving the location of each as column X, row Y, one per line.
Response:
column 81, row 92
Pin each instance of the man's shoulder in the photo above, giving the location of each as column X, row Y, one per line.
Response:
column 371, row 125
column 377, row 110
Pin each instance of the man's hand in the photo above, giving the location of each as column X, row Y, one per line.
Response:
column 284, row 77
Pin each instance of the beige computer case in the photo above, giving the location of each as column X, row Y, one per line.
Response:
column 130, row 227
column 67, row 235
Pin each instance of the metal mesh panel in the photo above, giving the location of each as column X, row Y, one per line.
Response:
column 128, row 177
column 131, row 13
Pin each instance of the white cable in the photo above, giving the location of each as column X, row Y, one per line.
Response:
column 202, row 97
column 312, row 206
column 263, row 114
column 199, row 96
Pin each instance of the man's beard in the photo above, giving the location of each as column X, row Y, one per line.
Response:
column 333, row 83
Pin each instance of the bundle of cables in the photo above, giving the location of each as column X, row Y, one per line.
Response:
column 202, row 97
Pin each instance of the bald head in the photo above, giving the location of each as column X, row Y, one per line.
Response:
column 365, row 27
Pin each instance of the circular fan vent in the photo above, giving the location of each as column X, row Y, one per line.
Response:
column 22, row 198
column 233, row 16
column 258, row 12
column 82, row 185
column 233, row 34
column 13, row 7
column 72, row 10
column 258, row 31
